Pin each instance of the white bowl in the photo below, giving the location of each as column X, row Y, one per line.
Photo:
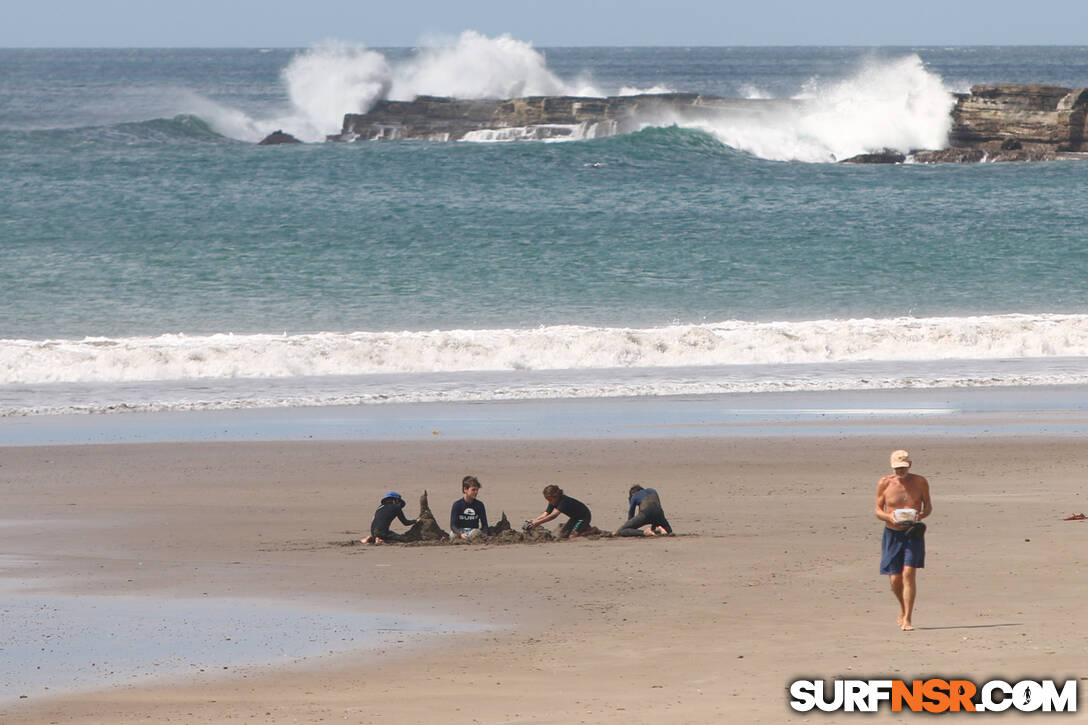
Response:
column 903, row 516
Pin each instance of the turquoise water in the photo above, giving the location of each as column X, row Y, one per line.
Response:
column 124, row 238
column 148, row 241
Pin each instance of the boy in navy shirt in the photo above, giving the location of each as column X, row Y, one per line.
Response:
column 468, row 517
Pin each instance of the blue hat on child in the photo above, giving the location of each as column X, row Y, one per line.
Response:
column 393, row 494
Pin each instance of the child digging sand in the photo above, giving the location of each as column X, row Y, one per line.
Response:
column 392, row 507
column 578, row 521
column 650, row 513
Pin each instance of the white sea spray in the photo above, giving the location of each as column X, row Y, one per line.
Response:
column 896, row 104
column 334, row 78
column 892, row 103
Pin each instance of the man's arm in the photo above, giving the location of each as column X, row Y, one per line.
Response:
column 927, row 504
column 878, row 509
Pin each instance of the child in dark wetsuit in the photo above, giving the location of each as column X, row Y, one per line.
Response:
column 468, row 517
column 392, row 508
column 558, row 503
column 649, row 513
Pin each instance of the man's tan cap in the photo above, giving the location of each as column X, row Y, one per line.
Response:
column 900, row 459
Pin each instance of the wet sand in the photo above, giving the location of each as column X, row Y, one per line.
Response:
column 772, row 578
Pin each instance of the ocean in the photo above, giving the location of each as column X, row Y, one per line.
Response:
column 155, row 258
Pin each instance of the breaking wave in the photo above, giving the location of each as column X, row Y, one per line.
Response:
column 895, row 104
column 565, row 347
column 884, row 103
column 327, row 81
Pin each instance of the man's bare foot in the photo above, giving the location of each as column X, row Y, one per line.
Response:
column 660, row 530
column 649, row 532
column 906, row 626
column 378, row 541
column 899, row 621
column 367, row 540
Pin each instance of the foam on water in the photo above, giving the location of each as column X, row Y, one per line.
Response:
column 563, row 347
column 216, row 372
column 551, row 132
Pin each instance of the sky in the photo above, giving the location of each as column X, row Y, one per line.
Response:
column 550, row 23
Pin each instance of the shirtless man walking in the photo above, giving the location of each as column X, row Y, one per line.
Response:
column 903, row 551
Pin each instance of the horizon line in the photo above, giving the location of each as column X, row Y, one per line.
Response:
column 565, row 47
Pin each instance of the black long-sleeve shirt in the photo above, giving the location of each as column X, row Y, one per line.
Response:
column 391, row 508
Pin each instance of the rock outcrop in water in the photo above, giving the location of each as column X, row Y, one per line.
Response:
column 884, row 156
column 435, row 118
column 994, row 122
column 276, row 138
column 1015, row 122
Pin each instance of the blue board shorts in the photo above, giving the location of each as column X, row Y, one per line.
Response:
column 899, row 550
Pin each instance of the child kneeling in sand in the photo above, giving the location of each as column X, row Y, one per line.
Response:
column 392, row 508
column 649, row 514
column 558, row 503
column 468, row 517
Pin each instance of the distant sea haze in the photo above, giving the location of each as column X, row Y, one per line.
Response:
column 156, row 258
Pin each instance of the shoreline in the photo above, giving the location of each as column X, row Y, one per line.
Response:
column 773, row 577
column 1016, row 410
column 102, row 642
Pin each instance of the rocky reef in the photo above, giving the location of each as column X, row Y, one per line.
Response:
column 994, row 122
column 1007, row 122
column 1015, row 122
column 436, row 118
column 277, row 137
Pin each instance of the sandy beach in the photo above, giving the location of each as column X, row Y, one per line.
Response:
column 773, row 575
